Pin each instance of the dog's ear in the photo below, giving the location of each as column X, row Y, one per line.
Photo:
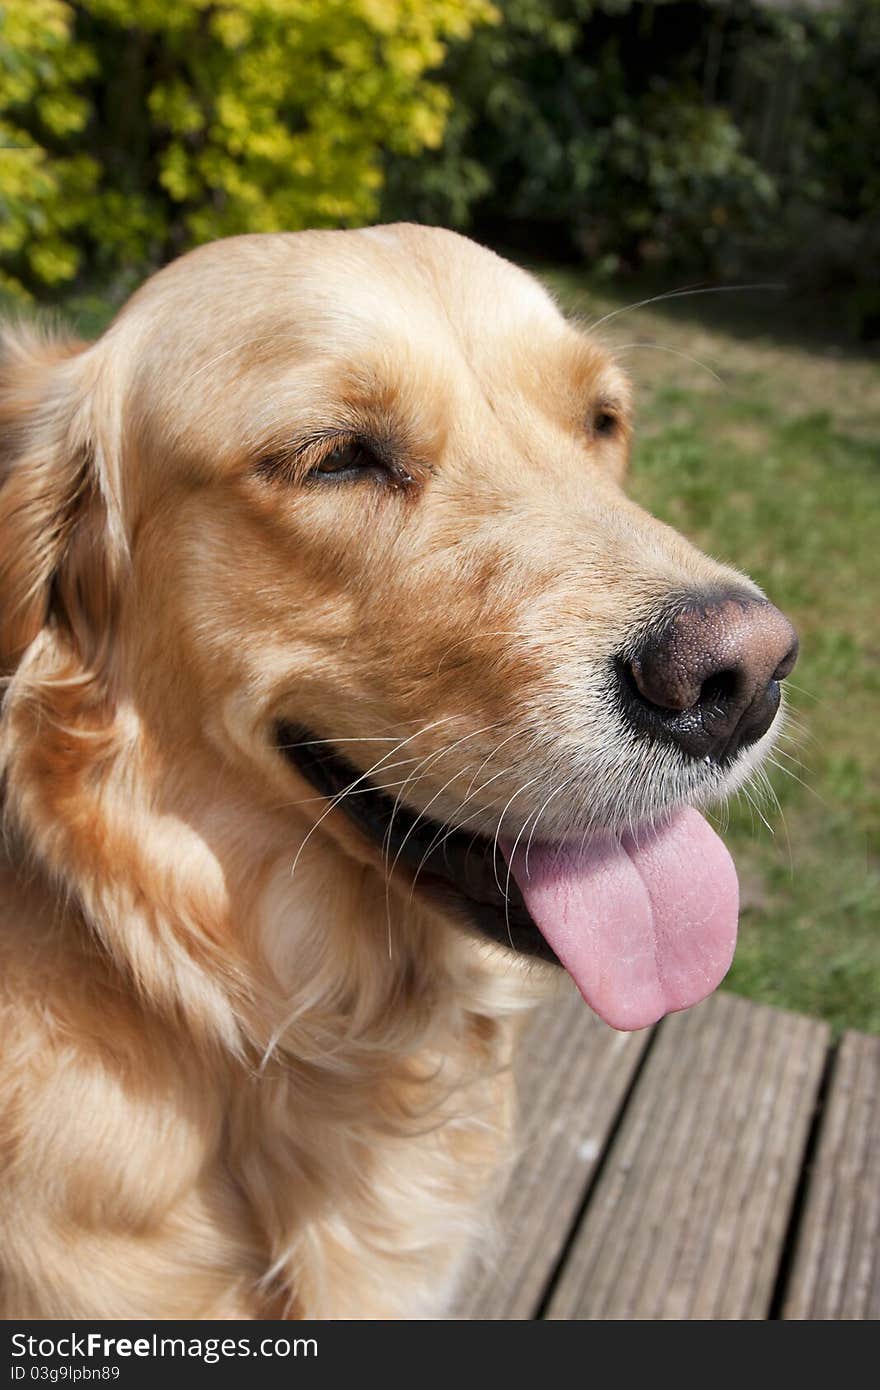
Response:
column 57, row 562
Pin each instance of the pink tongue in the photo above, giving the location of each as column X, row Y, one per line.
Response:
column 646, row 928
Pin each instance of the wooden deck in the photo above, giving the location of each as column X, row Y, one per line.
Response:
column 725, row 1164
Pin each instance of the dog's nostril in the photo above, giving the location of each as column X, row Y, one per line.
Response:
column 663, row 682
column 719, row 687
column 666, row 683
column 786, row 665
column 663, row 685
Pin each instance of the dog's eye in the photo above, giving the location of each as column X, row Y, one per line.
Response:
column 347, row 460
column 333, row 459
column 604, row 423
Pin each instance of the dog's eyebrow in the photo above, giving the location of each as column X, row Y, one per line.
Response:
column 592, row 375
column 607, row 400
column 285, row 458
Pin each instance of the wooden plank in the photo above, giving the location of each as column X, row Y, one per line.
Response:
column 690, row 1213
column 836, row 1269
column 572, row 1074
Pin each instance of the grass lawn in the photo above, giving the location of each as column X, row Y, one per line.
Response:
column 776, row 469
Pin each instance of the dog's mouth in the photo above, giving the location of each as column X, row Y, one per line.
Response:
column 463, row 870
column 645, row 923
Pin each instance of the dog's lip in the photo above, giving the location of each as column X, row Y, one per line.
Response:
column 462, row 871
column 645, row 922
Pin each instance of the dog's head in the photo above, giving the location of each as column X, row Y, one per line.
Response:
column 346, row 509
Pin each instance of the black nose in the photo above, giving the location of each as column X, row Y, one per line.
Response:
column 707, row 679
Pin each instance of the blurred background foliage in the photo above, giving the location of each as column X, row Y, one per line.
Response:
column 718, row 138
column 133, row 129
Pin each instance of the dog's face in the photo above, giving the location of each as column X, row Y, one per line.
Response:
column 370, row 489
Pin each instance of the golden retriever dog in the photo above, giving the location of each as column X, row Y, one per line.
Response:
column 345, row 695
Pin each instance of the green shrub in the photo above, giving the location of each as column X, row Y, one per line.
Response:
column 823, row 157
column 685, row 133
column 130, row 129
column 586, row 123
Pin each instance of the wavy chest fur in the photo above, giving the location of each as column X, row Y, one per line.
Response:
column 236, row 1093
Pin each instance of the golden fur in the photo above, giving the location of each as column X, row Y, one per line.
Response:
column 230, row 1089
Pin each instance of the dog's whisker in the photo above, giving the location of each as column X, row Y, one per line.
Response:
column 455, row 824
column 476, row 791
column 802, row 690
column 720, row 816
column 740, row 796
column 442, row 833
column 333, row 742
column 747, row 793
column 435, row 755
column 765, row 782
column 488, row 728
column 476, row 637
column 800, row 781
column 535, row 817
column 764, row 791
column 484, row 764
column 790, row 758
column 417, row 775
column 525, row 786
column 506, row 891
column 184, row 385
column 662, row 347
column 422, row 815
column 359, row 791
column 362, row 778
column 685, row 293
column 792, row 725
column 556, row 792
